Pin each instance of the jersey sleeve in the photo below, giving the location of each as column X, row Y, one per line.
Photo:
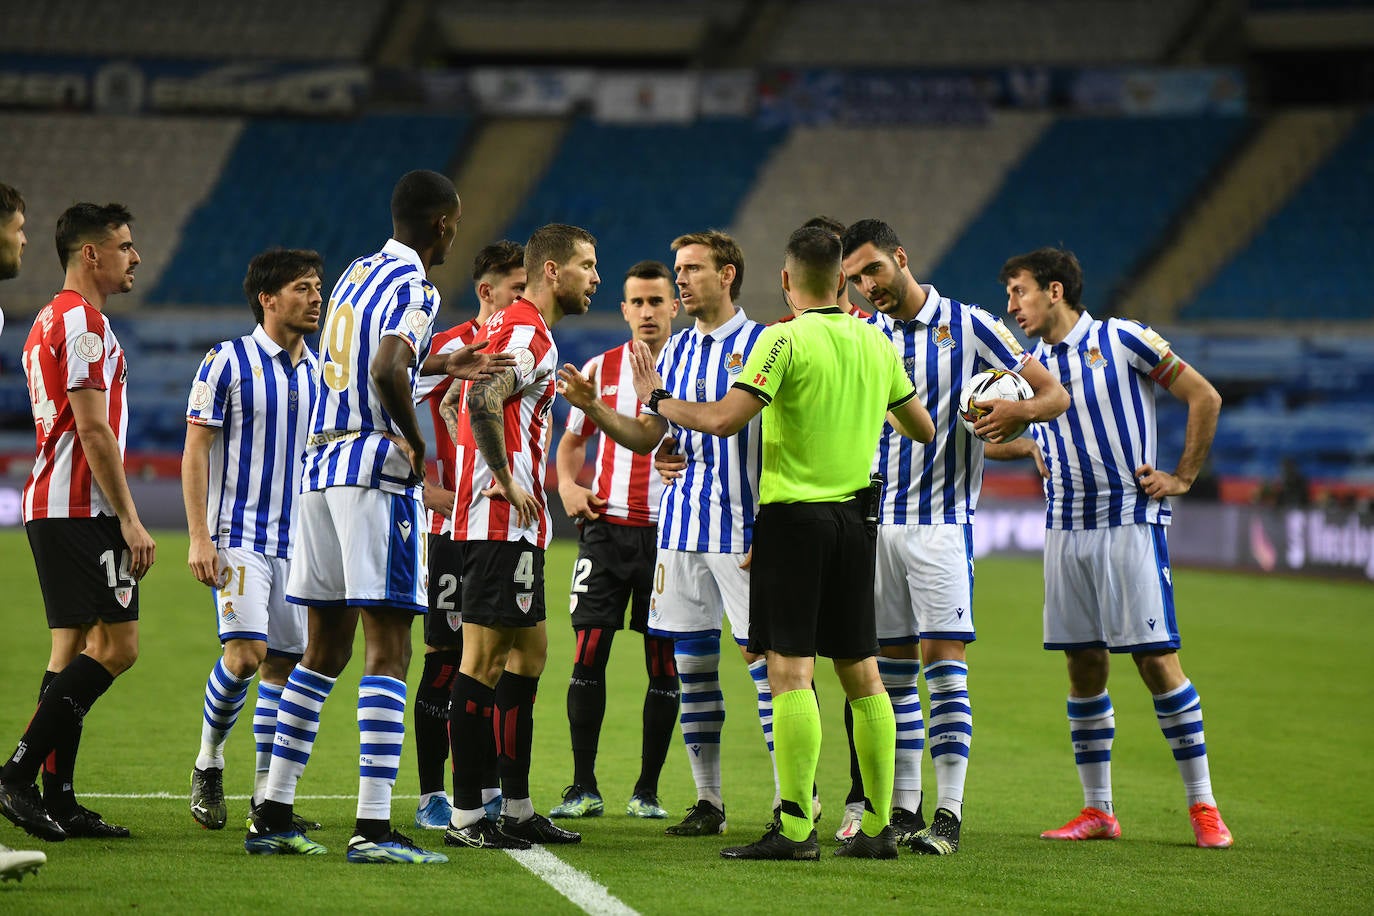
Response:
column 428, row 386
column 769, row 359
column 996, row 345
column 210, row 392
column 1148, row 352
column 87, row 344
column 528, row 346
column 411, row 315
column 577, row 418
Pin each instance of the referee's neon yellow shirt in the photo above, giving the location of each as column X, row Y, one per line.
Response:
column 827, row 381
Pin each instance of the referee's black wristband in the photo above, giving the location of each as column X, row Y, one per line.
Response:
column 658, row 394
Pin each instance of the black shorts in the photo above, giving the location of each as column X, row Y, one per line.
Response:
column 503, row 583
column 615, row 565
column 444, row 622
column 83, row 569
column 811, row 581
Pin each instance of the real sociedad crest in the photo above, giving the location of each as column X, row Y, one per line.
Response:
column 734, row 363
column 941, row 337
column 1094, row 358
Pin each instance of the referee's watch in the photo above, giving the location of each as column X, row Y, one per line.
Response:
column 658, row 394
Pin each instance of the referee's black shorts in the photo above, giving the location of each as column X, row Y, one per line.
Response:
column 811, row 581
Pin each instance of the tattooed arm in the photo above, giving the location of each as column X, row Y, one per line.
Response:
column 486, row 400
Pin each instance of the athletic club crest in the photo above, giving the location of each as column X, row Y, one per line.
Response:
column 734, row 363
column 523, row 601
column 1094, row 358
column 124, row 595
column 455, row 620
column 941, row 337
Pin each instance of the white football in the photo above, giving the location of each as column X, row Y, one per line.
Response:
column 991, row 384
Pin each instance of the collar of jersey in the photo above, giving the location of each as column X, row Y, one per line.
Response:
column 823, row 310
column 1080, row 330
column 725, row 330
column 405, row 253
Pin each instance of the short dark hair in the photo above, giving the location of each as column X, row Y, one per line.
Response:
column 870, row 230
column 1047, row 265
column 11, row 202
column 419, row 197
column 816, row 251
column 275, row 268
column 556, row 242
column 498, row 258
column 724, row 250
column 829, row 223
column 85, row 222
column 650, row 270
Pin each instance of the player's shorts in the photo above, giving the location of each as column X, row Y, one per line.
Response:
column 83, row 570
column 503, row 583
column 359, row 547
column 615, row 566
column 444, row 622
column 251, row 602
column 1109, row 588
column 691, row 589
column 924, row 583
column 811, row 584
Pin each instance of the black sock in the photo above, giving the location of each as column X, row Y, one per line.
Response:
column 470, row 735
column 587, row 701
column 70, row 695
column 431, row 717
column 376, row 831
column 59, row 768
column 660, row 713
column 514, row 731
column 273, row 816
column 856, row 780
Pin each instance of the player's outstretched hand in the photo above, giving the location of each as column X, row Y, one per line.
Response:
column 1158, row 484
column 142, row 547
column 669, row 462
column 526, row 509
column 578, row 389
column 470, row 363
column 203, row 559
column 645, row 375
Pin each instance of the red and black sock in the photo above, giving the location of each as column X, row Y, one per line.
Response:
column 57, row 721
column 470, row 736
column 513, row 724
column 660, row 712
column 587, row 701
column 431, row 717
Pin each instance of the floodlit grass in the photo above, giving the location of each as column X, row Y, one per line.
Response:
column 1282, row 666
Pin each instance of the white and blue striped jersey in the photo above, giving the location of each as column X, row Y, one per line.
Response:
column 382, row 295
column 1092, row 450
column 261, row 403
column 946, row 344
column 710, row 508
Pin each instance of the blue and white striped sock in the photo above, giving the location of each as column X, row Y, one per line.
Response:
column 901, row 678
column 381, row 734
column 1092, row 727
column 264, row 733
column 951, row 731
column 758, row 670
column 703, row 711
column 224, row 698
column 1180, row 718
column 298, row 721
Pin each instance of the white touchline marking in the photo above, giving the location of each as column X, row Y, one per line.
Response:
column 591, row 897
column 183, row 796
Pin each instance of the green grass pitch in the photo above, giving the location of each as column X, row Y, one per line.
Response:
column 1283, row 667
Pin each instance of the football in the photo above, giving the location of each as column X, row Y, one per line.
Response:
column 988, row 385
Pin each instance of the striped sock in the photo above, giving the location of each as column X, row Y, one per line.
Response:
column 901, row 678
column 264, row 732
column 381, row 734
column 758, row 670
column 951, row 731
column 1092, row 726
column 224, row 698
column 1180, row 718
column 298, row 721
column 703, row 711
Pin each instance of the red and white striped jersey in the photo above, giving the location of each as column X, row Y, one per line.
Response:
column 432, row 388
column 71, row 346
column 625, row 480
column 520, row 330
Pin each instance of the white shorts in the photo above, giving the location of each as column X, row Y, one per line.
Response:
column 359, row 547
column 691, row 589
column 923, row 585
column 1109, row 588
column 251, row 602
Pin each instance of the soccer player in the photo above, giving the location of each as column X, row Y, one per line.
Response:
column 14, row 863
column 617, row 521
column 924, row 584
column 828, row 381
column 1108, row 586
column 247, row 417
column 706, row 519
column 360, row 550
column 498, row 275
column 835, row 228
column 501, row 514
column 88, row 544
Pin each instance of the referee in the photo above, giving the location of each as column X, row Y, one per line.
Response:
column 829, row 381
